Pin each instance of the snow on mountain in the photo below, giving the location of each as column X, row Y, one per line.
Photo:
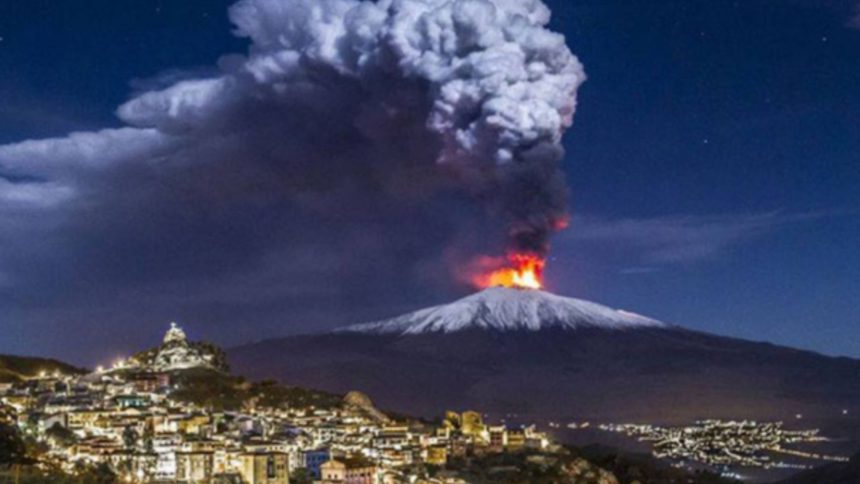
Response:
column 506, row 309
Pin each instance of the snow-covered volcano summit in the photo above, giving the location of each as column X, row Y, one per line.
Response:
column 505, row 309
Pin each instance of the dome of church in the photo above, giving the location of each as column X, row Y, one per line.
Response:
column 174, row 334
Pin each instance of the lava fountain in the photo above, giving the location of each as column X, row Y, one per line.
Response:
column 522, row 271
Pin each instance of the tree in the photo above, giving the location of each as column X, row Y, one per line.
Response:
column 61, row 435
column 12, row 448
column 301, row 476
column 99, row 474
column 130, row 437
column 148, row 435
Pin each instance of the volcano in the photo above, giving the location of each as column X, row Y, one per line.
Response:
column 546, row 357
column 508, row 309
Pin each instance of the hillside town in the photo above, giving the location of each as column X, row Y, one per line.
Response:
column 167, row 415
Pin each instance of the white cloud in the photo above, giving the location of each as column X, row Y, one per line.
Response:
column 75, row 154
column 31, row 195
column 682, row 239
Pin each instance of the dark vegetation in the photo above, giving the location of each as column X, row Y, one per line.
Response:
column 17, row 368
column 12, row 448
column 85, row 474
column 642, row 468
column 220, row 391
column 61, row 436
column 572, row 465
column 518, row 469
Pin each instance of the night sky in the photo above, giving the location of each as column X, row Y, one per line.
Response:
column 714, row 166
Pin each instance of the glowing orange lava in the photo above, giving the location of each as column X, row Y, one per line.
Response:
column 525, row 272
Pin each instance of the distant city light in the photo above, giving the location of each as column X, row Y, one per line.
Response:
column 727, row 443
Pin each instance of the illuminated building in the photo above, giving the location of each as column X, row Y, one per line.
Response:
column 145, row 382
column 498, row 436
column 265, row 468
column 352, row 470
column 452, row 420
column 194, row 466
column 437, row 455
column 472, row 424
column 516, row 439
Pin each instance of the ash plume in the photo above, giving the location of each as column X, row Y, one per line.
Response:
column 478, row 87
column 347, row 126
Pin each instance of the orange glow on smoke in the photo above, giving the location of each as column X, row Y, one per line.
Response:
column 525, row 271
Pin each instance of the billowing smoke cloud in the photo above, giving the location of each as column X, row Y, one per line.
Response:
column 396, row 128
column 493, row 89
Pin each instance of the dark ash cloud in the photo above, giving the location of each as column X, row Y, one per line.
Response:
column 336, row 166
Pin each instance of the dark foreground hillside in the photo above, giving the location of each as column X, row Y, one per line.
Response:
column 651, row 375
column 17, row 368
column 847, row 473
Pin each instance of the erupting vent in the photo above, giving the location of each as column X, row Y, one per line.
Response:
column 523, row 271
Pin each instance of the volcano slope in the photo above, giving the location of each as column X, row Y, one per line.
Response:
column 547, row 357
